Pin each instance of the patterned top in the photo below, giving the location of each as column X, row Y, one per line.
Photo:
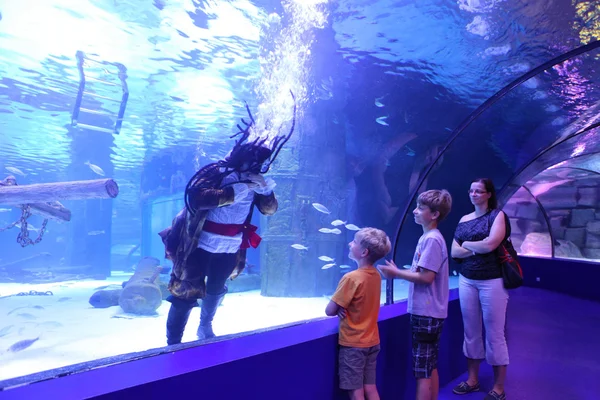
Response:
column 479, row 266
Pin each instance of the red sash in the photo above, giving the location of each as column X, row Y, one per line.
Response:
column 249, row 235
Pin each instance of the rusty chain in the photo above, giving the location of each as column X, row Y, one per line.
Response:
column 23, row 238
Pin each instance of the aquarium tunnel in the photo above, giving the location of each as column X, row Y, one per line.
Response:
column 114, row 115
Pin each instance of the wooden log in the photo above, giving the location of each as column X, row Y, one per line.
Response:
column 50, row 210
column 48, row 192
column 141, row 294
column 53, row 210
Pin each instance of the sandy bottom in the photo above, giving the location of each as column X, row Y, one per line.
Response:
column 71, row 331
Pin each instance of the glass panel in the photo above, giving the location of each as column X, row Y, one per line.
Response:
column 529, row 230
column 503, row 142
column 570, row 198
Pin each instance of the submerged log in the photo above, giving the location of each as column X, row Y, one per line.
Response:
column 141, row 295
column 49, row 192
column 53, row 210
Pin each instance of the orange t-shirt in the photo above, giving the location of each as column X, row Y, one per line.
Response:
column 359, row 292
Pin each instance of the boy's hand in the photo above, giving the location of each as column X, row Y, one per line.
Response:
column 341, row 313
column 388, row 270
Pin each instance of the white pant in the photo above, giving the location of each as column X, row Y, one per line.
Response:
column 487, row 300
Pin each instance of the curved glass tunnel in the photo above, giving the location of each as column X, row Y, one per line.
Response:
column 143, row 94
column 542, row 157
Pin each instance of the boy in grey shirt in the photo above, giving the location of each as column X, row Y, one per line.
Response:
column 428, row 290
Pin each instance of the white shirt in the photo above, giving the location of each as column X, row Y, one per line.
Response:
column 235, row 213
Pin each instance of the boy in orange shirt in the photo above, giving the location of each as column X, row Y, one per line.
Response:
column 356, row 302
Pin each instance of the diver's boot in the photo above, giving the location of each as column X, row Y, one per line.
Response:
column 207, row 312
column 178, row 316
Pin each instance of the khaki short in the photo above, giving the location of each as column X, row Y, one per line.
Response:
column 357, row 366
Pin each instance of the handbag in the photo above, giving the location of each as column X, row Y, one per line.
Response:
column 512, row 273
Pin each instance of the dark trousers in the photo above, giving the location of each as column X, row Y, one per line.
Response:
column 218, row 267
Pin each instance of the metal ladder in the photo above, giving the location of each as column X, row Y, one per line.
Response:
column 91, row 84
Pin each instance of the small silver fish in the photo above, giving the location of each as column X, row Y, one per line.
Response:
column 95, row 168
column 6, row 330
column 321, row 208
column 352, row 227
column 325, row 230
column 50, row 324
column 94, row 233
column 26, row 316
column 378, row 103
column 381, row 121
column 335, row 231
column 299, row 247
column 327, row 266
column 15, row 170
column 22, row 307
column 454, row 273
column 338, row 222
column 406, row 266
column 325, row 258
column 344, row 266
column 121, row 317
column 22, row 345
column 5, row 209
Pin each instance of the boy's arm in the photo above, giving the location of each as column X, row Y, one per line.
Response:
column 423, row 275
column 429, row 263
column 334, row 309
column 341, row 298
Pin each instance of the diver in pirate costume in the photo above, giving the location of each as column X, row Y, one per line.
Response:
column 209, row 237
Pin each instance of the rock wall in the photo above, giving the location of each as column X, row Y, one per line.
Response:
column 574, row 215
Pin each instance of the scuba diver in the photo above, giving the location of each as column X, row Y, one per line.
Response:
column 209, row 237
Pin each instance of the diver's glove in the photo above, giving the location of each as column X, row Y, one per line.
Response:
column 240, row 191
column 267, row 189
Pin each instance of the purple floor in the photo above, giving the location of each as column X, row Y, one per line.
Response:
column 554, row 345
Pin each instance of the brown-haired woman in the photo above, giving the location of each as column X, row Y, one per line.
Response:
column 481, row 290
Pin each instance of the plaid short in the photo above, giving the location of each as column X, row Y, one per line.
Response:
column 426, row 333
column 357, row 366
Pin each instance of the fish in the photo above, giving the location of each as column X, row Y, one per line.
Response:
column 93, row 233
column 381, row 121
column 454, row 273
column 5, row 209
column 321, row 208
column 95, row 168
column 379, row 104
column 338, row 222
column 15, row 170
column 335, row 231
column 352, row 227
column 299, row 247
column 344, row 266
column 22, row 345
column 406, row 266
column 111, row 286
column 50, row 324
column 20, row 308
column 6, row 330
column 325, row 230
column 325, row 258
column 327, row 266
column 121, row 317
column 26, row 316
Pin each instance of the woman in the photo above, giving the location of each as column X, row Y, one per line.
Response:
column 481, row 290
